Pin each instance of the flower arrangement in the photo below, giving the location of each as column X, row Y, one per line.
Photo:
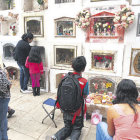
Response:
column 124, row 17
column 101, row 58
column 104, row 27
column 82, row 20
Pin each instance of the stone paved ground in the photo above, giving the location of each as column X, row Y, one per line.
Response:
column 26, row 122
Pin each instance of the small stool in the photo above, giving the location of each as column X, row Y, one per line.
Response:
column 49, row 102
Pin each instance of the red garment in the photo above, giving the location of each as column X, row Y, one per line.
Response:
column 34, row 67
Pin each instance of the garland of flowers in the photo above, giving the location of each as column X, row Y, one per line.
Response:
column 82, row 19
column 124, row 17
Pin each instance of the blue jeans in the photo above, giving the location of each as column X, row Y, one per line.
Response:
column 72, row 130
column 3, row 118
column 24, row 76
column 101, row 132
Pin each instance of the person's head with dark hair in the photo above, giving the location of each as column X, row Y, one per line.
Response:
column 79, row 64
column 28, row 37
column 127, row 93
column 34, row 55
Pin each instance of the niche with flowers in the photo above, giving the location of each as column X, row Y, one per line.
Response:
column 101, row 85
column 64, row 27
column 9, row 24
column 102, row 61
column 102, row 26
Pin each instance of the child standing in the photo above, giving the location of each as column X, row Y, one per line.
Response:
column 35, row 65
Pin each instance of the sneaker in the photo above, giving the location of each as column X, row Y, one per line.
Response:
column 26, row 91
column 21, row 90
column 10, row 113
column 53, row 138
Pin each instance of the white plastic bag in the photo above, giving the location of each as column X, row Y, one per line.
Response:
column 96, row 117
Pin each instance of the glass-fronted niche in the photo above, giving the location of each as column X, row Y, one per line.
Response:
column 34, row 24
column 59, row 77
column 64, row 55
column 102, row 60
column 42, row 52
column 104, row 26
column 8, row 51
column 64, row 1
column 135, row 62
column 64, row 27
column 138, row 25
column 102, row 85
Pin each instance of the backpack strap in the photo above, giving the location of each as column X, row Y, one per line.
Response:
column 82, row 83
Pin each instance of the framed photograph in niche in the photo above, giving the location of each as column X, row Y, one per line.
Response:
column 64, row 55
column 135, row 62
column 34, row 25
column 102, row 60
column 65, row 27
column 138, row 25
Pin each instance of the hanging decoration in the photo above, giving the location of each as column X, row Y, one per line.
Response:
column 82, row 19
column 2, row 18
column 124, row 17
column 13, row 15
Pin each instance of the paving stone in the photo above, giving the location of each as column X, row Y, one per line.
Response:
column 14, row 135
column 26, row 123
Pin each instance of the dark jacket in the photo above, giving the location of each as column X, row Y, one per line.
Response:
column 22, row 51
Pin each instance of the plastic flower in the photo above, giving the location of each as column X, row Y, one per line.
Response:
column 124, row 17
column 82, row 19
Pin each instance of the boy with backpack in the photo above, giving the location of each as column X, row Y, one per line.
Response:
column 72, row 91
